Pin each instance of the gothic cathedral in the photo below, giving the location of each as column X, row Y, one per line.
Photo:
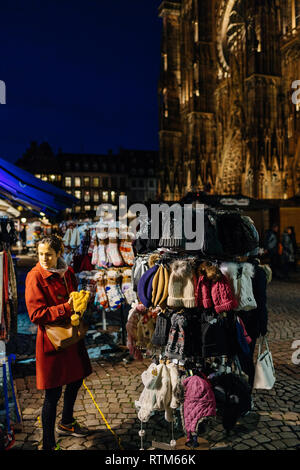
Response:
column 228, row 120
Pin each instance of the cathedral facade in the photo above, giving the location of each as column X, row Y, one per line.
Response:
column 228, row 97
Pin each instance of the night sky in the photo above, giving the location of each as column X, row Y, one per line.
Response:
column 79, row 74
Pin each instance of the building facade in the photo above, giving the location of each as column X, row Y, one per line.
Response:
column 229, row 115
column 95, row 179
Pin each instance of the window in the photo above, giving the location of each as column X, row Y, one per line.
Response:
column 86, row 181
column 96, row 196
column 151, row 184
column 77, row 181
column 96, row 182
column 113, row 196
column 68, row 181
column 141, row 183
column 69, row 191
column 105, row 196
column 37, row 176
column 95, row 166
column 86, row 166
column 77, row 193
column 77, row 208
column 87, row 208
column 104, row 182
column 86, row 196
column 95, row 208
column 68, row 165
column 52, row 177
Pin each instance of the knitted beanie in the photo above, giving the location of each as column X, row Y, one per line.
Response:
column 181, row 285
column 222, row 296
column 157, row 286
column 203, row 293
column 144, row 288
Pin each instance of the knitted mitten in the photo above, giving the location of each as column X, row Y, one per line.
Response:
column 126, row 287
column 113, row 291
column 113, row 252
column 102, row 255
column 100, row 291
column 126, row 249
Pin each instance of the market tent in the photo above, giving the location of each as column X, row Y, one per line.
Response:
column 21, row 187
column 8, row 209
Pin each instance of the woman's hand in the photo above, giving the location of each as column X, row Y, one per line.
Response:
column 70, row 302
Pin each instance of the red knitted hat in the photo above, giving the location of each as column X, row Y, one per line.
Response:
column 203, row 293
column 222, row 296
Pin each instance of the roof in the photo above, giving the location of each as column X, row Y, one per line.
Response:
column 21, row 187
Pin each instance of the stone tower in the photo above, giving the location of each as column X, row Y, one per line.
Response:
column 228, row 124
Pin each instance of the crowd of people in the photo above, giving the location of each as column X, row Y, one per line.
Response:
column 281, row 251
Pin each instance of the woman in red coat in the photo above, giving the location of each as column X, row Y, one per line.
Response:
column 47, row 290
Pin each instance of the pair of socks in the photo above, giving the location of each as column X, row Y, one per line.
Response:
column 126, row 287
column 113, row 290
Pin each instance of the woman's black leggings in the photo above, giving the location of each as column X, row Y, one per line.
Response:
column 52, row 395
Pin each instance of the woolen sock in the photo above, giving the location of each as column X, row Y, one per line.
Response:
column 113, row 250
column 126, row 287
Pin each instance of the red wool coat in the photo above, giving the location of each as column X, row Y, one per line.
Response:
column 47, row 301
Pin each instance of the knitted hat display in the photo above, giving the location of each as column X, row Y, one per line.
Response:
column 113, row 253
column 181, row 290
column 144, row 287
column 222, row 296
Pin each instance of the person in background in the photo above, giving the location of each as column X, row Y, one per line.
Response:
column 48, row 285
column 294, row 241
column 288, row 253
column 271, row 246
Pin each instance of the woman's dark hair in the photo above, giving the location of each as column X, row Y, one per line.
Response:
column 54, row 242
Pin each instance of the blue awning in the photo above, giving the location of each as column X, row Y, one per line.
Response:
column 22, row 187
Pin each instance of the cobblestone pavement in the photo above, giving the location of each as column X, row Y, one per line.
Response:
column 274, row 423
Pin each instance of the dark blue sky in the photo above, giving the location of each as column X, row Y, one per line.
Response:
column 80, row 74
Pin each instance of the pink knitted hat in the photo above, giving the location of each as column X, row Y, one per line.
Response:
column 222, row 296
